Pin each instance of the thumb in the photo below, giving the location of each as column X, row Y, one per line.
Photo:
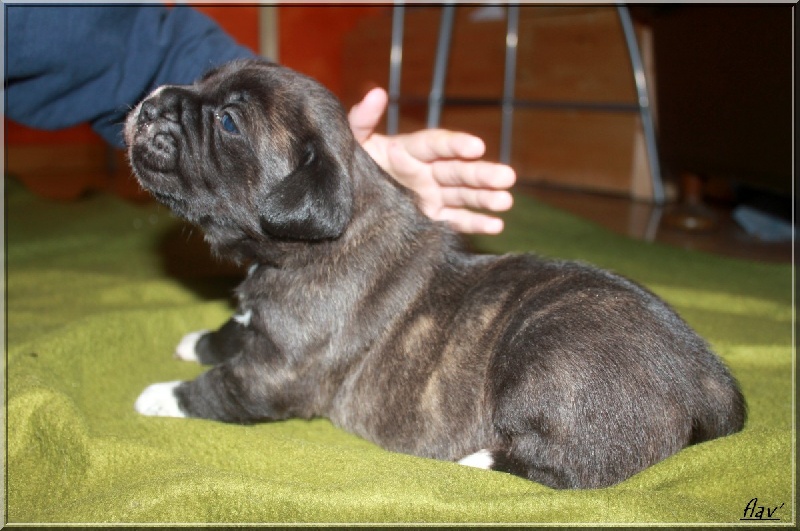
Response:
column 365, row 115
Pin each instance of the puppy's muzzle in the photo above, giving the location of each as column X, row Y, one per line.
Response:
column 153, row 131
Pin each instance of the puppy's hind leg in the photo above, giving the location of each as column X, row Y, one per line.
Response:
column 511, row 461
column 522, row 459
column 212, row 348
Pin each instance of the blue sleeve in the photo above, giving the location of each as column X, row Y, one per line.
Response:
column 67, row 65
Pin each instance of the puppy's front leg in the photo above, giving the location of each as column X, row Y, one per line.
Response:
column 229, row 392
column 211, row 348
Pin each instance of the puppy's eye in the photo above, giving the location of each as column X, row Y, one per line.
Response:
column 227, row 123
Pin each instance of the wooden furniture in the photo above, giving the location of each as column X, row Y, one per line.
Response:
column 581, row 126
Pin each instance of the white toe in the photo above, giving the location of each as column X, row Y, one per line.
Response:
column 187, row 348
column 480, row 459
column 158, row 400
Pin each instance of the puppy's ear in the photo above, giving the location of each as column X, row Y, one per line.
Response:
column 314, row 202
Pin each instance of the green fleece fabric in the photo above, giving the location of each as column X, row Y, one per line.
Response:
column 99, row 291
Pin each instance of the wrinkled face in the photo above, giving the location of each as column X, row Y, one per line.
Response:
column 253, row 151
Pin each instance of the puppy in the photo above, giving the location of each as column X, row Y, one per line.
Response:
column 359, row 308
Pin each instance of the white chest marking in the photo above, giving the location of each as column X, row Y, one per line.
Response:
column 244, row 318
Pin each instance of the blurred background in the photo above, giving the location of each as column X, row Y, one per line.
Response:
column 720, row 80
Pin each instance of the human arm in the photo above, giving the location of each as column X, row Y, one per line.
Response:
column 71, row 64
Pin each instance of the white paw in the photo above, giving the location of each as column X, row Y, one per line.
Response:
column 480, row 459
column 187, row 348
column 158, row 400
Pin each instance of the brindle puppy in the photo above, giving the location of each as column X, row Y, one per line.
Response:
column 359, row 308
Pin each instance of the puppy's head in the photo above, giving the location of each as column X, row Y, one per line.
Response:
column 252, row 152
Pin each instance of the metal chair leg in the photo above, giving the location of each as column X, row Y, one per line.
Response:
column 644, row 102
column 512, row 34
column 395, row 66
column 436, row 97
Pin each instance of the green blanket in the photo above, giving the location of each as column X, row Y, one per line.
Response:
column 100, row 290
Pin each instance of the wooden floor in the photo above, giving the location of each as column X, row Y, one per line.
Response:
column 647, row 222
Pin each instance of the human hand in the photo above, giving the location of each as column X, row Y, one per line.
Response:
column 441, row 166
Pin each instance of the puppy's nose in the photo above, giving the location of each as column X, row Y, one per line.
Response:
column 149, row 112
column 153, row 109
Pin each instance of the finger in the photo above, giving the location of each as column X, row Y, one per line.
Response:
column 475, row 174
column 405, row 168
column 494, row 200
column 365, row 115
column 432, row 144
column 471, row 222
